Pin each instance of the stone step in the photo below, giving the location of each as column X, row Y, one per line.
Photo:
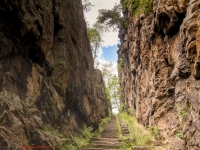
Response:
column 106, row 142
column 109, row 136
column 139, row 148
column 125, row 132
column 108, row 146
column 93, row 149
column 106, row 139
column 100, row 149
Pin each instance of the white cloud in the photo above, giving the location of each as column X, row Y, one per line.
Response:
column 110, row 39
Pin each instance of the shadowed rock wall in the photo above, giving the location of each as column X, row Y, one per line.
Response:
column 160, row 70
column 47, row 76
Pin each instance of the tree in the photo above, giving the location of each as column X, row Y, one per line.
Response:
column 114, row 90
column 112, row 84
column 95, row 37
column 87, row 6
column 112, row 18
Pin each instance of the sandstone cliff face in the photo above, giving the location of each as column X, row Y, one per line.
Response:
column 47, row 76
column 160, row 70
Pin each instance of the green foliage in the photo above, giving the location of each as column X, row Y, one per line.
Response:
column 180, row 134
column 95, row 38
column 125, row 144
column 56, row 133
column 138, row 6
column 52, row 131
column 112, row 18
column 182, row 112
column 80, row 142
column 113, row 91
column 87, row 6
column 69, row 147
column 100, row 128
column 198, row 88
column 112, row 85
column 122, row 106
column 141, row 136
column 87, row 132
column 153, row 130
column 119, row 128
column 77, row 143
column 119, row 65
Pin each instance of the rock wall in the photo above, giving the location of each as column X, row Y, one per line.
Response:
column 160, row 70
column 47, row 78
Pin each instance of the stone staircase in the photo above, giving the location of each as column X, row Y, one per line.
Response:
column 109, row 137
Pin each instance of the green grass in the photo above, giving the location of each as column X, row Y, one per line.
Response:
column 141, row 136
column 125, row 144
column 78, row 142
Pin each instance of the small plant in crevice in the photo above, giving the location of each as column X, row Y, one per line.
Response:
column 153, row 130
column 119, row 65
column 198, row 88
column 182, row 112
column 179, row 134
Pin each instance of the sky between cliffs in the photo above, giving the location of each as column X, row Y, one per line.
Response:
column 108, row 51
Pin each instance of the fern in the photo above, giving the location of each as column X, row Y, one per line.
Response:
column 87, row 132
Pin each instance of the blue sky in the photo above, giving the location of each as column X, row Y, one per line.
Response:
column 110, row 53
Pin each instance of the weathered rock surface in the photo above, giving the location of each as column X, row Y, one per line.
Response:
column 160, row 70
column 47, row 76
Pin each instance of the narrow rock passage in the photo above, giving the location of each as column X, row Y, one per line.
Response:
column 109, row 137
